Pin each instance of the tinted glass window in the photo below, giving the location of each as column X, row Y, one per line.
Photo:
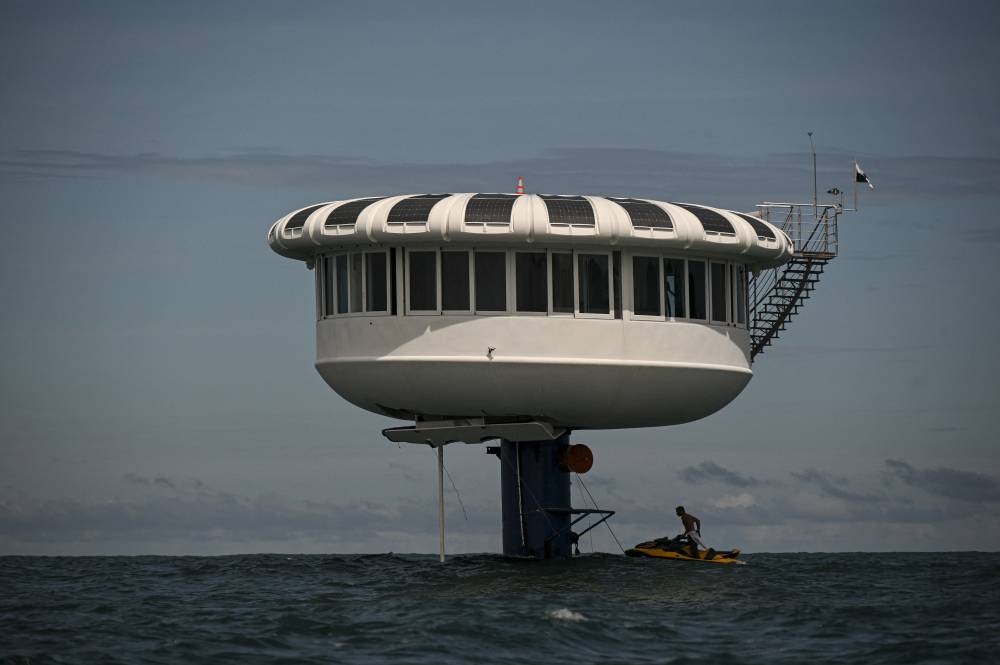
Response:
column 455, row 281
column 616, row 280
column 569, row 210
column 423, row 281
column 489, row 209
column 710, row 220
column 298, row 220
column 593, row 273
column 414, row 208
column 697, row 283
column 646, row 285
column 741, row 294
column 532, row 281
column 491, row 282
column 329, row 294
column 673, row 287
column 644, row 213
column 348, row 212
column 342, row 284
column 719, row 284
column 376, row 284
column 356, row 283
column 562, row 283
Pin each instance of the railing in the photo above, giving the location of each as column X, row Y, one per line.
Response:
column 777, row 293
column 812, row 229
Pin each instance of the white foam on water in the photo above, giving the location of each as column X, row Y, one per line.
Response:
column 564, row 614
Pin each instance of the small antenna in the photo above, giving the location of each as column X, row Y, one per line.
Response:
column 812, row 148
column 520, row 185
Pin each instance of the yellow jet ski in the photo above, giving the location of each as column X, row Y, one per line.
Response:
column 682, row 549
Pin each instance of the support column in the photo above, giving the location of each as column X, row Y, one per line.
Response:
column 532, row 486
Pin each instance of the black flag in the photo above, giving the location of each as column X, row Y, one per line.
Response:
column 861, row 177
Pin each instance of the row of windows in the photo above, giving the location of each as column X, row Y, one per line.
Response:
column 659, row 289
column 581, row 283
column 353, row 283
column 498, row 281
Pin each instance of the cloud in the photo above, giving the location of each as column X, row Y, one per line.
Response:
column 944, row 482
column 726, row 180
column 712, row 472
column 157, row 481
column 203, row 519
column 136, row 479
column 741, row 500
column 835, row 487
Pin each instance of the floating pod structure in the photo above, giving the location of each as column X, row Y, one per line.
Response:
column 525, row 317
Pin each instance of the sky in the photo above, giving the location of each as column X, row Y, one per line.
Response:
column 157, row 394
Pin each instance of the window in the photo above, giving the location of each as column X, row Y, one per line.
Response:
column 574, row 210
column 376, row 284
column 356, row 283
column 423, row 281
column 594, row 283
column 562, row 283
column 697, row 283
column 393, row 300
column 719, row 283
column 342, row 292
column 741, row 294
column 531, row 278
column 329, row 294
column 646, row 285
column 491, row 281
column 673, row 287
column 616, row 280
column 455, row 281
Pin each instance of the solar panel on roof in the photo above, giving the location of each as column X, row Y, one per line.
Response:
column 348, row 213
column 298, row 220
column 644, row 214
column 762, row 230
column 710, row 220
column 415, row 208
column 569, row 210
column 489, row 209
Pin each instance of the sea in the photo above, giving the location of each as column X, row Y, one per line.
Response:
column 598, row 608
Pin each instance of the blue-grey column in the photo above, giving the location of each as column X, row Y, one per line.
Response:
column 534, row 495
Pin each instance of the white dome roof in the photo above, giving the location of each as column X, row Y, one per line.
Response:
column 475, row 219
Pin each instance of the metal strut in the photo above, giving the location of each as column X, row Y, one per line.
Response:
column 583, row 513
column 520, row 494
column 440, row 456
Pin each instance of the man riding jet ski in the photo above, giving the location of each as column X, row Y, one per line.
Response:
column 683, row 549
column 685, row 546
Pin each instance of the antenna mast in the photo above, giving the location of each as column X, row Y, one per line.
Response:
column 812, row 149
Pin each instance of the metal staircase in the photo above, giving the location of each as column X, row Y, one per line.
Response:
column 777, row 294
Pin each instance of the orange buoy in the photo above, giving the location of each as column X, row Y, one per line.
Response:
column 577, row 458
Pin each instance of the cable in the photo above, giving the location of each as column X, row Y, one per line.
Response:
column 597, row 508
column 590, row 533
column 457, row 493
column 531, row 495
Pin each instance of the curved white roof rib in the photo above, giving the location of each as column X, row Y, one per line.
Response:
column 485, row 218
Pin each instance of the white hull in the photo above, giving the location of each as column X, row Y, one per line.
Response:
column 572, row 372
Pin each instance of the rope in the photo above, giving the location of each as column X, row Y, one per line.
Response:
column 597, row 508
column 457, row 493
column 590, row 533
column 539, row 508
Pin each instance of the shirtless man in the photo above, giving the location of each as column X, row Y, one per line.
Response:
column 692, row 527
